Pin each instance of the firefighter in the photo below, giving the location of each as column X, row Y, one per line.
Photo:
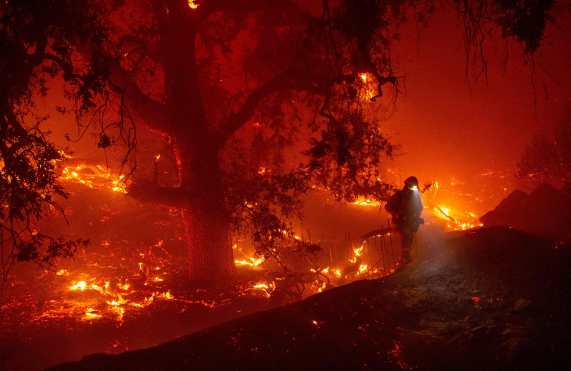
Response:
column 405, row 207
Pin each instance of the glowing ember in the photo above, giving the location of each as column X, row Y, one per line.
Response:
column 321, row 286
column 246, row 260
column 266, row 288
column 81, row 285
column 368, row 88
column 361, row 201
column 357, row 252
column 91, row 314
column 363, row 268
column 94, row 177
column 262, row 170
column 457, row 221
column 118, row 302
column 250, row 262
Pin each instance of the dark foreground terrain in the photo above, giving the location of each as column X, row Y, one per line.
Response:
column 493, row 299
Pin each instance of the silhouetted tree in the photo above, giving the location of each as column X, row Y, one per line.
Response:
column 259, row 100
column 34, row 45
column 547, row 158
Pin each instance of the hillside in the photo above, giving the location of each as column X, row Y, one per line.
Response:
column 492, row 299
column 546, row 212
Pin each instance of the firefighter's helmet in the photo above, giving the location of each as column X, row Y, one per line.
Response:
column 411, row 182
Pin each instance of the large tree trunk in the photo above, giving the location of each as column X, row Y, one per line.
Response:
column 208, row 223
column 197, row 145
column 209, row 247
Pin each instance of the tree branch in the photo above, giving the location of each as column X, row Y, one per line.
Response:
column 281, row 82
column 151, row 111
column 145, row 191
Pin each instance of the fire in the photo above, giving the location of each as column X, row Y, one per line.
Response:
column 193, row 5
column 251, row 262
column 262, row 170
column 357, row 252
column 107, row 287
column 367, row 90
column 91, row 314
column 266, row 288
column 166, row 295
column 80, row 285
column 323, row 271
column 96, row 298
column 361, row 201
column 94, row 177
column 457, row 221
column 247, row 261
column 363, row 268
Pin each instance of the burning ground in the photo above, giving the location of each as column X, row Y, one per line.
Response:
column 128, row 290
column 489, row 299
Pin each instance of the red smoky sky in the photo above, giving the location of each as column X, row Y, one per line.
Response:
column 449, row 124
column 446, row 123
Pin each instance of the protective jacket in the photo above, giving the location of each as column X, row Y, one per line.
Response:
column 405, row 207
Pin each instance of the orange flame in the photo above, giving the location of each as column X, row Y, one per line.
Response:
column 94, row 177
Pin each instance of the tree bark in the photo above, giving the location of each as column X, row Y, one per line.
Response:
column 208, row 223
column 207, row 220
column 210, row 256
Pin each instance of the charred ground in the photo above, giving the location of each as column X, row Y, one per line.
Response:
column 493, row 299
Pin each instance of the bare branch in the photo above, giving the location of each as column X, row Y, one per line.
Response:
column 153, row 113
column 282, row 82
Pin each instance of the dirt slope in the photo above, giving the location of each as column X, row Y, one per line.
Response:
column 544, row 212
column 493, row 299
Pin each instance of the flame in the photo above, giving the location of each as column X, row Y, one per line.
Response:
column 247, row 261
column 366, row 202
column 266, row 288
column 94, row 177
column 90, row 314
column 80, row 285
column 62, row 272
column 111, row 300
column 166, row 295
column 368, row 90
column 250, row 262
column 457, row 221
column 193, row 5
column 357, row 252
